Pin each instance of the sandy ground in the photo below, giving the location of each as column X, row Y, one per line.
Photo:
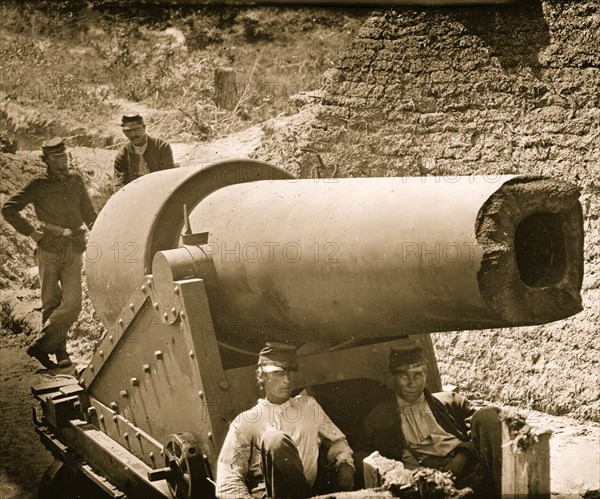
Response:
column 23, row 459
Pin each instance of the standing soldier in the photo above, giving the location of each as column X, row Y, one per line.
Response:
column 143, row 154
column 62, row 205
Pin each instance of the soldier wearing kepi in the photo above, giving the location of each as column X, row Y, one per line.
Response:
column 440, row 430
column 273, row 448
column 63, row 207
column 142, row 154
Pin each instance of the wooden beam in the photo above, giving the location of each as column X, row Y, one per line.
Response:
column 525, row 460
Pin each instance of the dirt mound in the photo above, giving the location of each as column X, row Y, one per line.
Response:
column 17, row 251
column 475, row 91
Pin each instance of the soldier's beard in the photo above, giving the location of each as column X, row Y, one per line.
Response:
column 59, row 175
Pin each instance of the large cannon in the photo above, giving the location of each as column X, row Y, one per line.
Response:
column 192, row 270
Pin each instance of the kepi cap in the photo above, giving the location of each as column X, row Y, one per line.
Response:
column 406, row 357
column 55, row 145
column 277, row 356
column 131, row 121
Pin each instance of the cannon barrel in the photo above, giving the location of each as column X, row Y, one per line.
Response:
column 336, row 259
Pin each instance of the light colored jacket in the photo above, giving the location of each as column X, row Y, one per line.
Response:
column 301, row 418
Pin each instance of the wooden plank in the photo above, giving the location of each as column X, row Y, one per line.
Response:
column 525, row 462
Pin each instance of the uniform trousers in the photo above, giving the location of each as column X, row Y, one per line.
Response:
column 60, row 283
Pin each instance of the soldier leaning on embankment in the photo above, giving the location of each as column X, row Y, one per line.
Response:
column 142, row 154
column 62, row 205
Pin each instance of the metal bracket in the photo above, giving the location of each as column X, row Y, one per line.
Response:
column 115, row 333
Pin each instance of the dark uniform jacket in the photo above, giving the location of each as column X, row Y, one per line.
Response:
column 62, row 202
column 382, row 430
column 158, row 156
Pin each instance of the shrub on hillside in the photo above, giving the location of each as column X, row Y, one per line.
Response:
column 202, row 31
column 256, row 27
column 77, row 70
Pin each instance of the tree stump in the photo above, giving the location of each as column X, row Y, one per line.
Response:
column 226, row 93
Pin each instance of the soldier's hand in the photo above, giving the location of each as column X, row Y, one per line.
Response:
column 36, row 235
column 345, row 477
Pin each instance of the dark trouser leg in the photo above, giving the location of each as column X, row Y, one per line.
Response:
column 282, row 467
column 59, row 273
column 486, row 433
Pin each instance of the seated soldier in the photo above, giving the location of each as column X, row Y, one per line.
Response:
column 272, row 449
column 441, row 430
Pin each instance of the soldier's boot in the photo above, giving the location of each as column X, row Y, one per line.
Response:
column 63, row 359
column 41, row 356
